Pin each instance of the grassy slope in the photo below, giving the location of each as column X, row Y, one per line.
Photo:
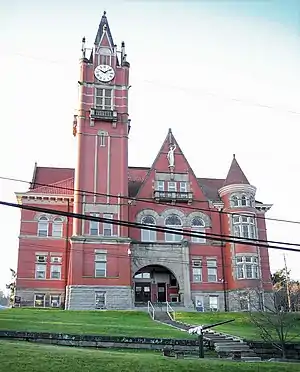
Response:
column 123, row 323
column 26, row 357
column 241, row 327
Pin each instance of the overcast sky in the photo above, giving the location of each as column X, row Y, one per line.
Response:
column 224, row 75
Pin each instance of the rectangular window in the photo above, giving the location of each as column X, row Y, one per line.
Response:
column 213, row 303
column 148, row 235
column 169, row 237
column 160, row 186
column 39, row 300
column 197, row 270
column 104, row 99
column 183, row 187
column 102, row 140
column 107, row 227
column 244, row 227
column 100, row 300
column 201, row 231
column 212, row 270
column 55, row 300
column 43, row 228
column 172, row 186
column 40, row 271
column 94, row 225
column 247, row 267
column 57, row 228
column 55, row 272
column 143, row 276
column 100, row 265
column 197, row 274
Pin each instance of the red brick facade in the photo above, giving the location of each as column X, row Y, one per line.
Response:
column 81, row 264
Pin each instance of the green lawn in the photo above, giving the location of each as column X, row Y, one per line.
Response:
column 241, row 327
column 27, row 357
column 112, row 323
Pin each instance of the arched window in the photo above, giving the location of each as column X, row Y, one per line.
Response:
column 148, row 235
column 198, row 226
column 234, row 201
column 43, row 226
column 173, row 222
column 244, row 201
column 104, row 56
column 57, row 227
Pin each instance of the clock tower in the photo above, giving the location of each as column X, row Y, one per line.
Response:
column 101, row 173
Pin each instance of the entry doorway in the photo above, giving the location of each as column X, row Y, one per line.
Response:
column 161, row 292
column 142, row 292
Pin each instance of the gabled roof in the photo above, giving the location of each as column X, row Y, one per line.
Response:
column 104, row 23
column 63, row 187
column 235, row 174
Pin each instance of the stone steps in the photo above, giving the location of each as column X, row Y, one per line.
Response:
column 224, row 345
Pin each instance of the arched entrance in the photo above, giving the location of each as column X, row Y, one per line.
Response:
column 155, row 283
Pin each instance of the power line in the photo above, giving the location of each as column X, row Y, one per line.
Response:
column 150, row 201
column 181, row 232
column 184, row 89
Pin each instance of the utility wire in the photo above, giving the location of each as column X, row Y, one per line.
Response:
column 150, row 201
column 184, row 89
column 220, row 238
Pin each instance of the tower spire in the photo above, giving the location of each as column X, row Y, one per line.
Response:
column 235, row 174
column 102, row 30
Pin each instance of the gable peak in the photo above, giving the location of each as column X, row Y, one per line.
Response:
column 235, row 174
column 104, row 30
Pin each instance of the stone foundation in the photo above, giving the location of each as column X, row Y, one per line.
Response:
column 206, row 295
column 81, row 297
column 249, row 299
column 27, row 296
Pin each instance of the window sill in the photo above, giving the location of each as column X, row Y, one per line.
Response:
column 100, row 277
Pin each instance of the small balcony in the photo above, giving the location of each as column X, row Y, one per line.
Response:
column 106, row 115
column 173, row 196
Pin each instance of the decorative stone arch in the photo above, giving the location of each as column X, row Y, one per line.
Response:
column 102, row 133
column 173, row 268
column 38, row 215
column 203, row 216
column 147, row 212
column 50, row 217
column 168, row 212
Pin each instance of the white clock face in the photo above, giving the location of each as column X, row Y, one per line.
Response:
column 104, row 73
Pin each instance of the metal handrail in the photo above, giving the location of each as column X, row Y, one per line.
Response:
column 151, row 310
column 170, row 311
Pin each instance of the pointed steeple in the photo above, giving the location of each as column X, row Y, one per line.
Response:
column 104, row 29
column 235, row 174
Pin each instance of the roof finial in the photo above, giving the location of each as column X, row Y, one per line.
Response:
column 104, row 13
column 233, row 156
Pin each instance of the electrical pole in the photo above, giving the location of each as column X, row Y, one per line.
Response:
column 287, row 284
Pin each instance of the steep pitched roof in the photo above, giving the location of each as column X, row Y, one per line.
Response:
column 235, row 174
column 177, row 164
column 104, row 24
column 63, row 187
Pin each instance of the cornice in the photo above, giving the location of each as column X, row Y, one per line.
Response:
column 237, row 188
column 263, row 208
column 43, row 198
column 100, row 239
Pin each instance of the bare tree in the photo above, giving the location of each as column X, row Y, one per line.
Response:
column 275, row 325
column 12, row 286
